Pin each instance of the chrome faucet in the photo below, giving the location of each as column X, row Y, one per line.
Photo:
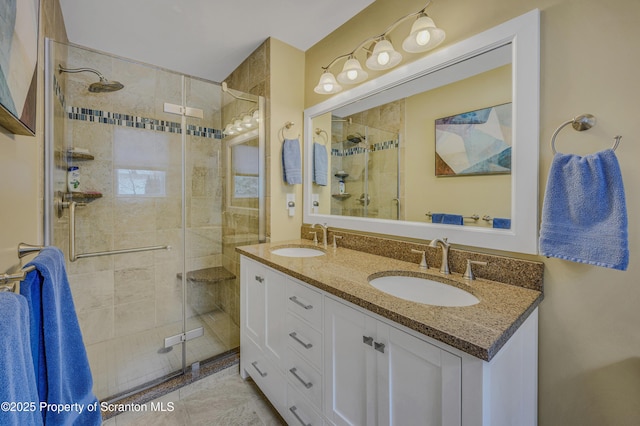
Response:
column 442, row 242
column 324, row 232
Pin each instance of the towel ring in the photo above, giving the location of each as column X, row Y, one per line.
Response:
column 319, row 131
column 580, row 123
column 287, row 126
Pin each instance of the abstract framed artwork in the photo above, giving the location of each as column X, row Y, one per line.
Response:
column 475, row 142
column 18, row 65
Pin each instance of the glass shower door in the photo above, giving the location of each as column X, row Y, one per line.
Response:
column 152, row 172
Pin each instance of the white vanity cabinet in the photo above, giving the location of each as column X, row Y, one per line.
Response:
column 322, row 360
column 377, row 374
column 262, row 320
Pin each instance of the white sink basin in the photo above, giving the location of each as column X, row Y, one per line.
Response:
column 297, row 252
column 423, row 290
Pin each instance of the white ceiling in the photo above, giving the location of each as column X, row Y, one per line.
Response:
column 203, row 38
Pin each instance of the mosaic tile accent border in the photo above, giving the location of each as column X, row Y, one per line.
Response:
column 380, row 146
column 126, row 120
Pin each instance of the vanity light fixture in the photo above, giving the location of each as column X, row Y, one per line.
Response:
column 242, row 123
column 381, row 55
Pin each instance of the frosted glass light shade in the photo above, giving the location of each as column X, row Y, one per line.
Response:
column 424, row 36
column 247, row 121
column 384, row 56
column 352, row 72
column 327, row 84
column 229, row 130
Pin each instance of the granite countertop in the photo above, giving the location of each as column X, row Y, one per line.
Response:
column 479, row 330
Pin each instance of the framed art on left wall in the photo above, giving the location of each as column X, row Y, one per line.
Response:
column 18, row 65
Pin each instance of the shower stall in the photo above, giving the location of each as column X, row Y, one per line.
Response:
column 148, row 198
column 365, row 164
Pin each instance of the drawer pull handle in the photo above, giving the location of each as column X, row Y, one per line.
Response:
column 367, row 340
column 294, row 371
column 255, row 365
column 259, row 279
column 295, row 337
column 295, row 300
column 378, row 346
column 294, row 410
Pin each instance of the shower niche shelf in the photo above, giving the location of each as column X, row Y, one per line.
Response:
column 341, row 196
column 64, row 158
column 82, row 197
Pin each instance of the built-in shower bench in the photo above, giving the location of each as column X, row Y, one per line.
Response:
column 211, row 275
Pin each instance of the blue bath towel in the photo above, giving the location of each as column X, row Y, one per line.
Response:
column 447, row 219
column 320, row 164
column 17, row 379
column 291, row 161
column 501, row 223
column 584, row 214
column 60, row 361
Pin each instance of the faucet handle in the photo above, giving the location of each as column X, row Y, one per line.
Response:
column 423, row 261
column 335, row 244
column 315, row 237
column 468, row 274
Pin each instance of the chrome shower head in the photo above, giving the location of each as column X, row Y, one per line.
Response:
column 102, row 86
column 356, row 138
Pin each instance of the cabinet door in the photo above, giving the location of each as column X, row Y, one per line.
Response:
column 418, row 384
column 253, row 279
column 275, row 314
column 348, row 365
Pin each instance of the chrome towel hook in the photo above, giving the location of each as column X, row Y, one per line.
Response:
column 580, row 123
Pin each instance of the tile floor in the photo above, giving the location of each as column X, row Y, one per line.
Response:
column 121, row 364
column 220, row 399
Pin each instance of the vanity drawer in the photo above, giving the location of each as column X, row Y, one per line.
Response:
column 299, row 412
column 304, row 340
column 304, row 378
column 305, row 303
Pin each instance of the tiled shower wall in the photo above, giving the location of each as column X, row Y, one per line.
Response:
column 124, row 294
column 381, row 125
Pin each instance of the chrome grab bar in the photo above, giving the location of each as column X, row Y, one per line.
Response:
column 73, row 256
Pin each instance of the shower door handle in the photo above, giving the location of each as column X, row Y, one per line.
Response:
column 73, row 256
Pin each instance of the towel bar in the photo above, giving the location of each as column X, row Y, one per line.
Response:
column 473, row 217
column 8, row 281
column 580, row 123
column 73, row 256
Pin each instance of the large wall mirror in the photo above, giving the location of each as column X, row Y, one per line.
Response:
column 446, row 146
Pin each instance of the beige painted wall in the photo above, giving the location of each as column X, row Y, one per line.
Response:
column 589, row 354
column 465, row 195
column 22, row 162
column 286, row 104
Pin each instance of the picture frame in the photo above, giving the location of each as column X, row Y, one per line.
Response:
column 476, row 142
column 19, row 65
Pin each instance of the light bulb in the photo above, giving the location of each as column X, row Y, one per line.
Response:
column 237, row 124
column 383, row 58
column 423, row 37
column 327, row 84
column 352, row 72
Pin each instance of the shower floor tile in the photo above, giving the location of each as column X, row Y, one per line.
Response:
column 126, row 362
column 220, row 399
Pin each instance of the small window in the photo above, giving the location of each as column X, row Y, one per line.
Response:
column 141, row 183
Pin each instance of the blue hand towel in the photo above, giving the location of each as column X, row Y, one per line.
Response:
column 320, row 164
column 291, row 161
column 501, row 223
column 448, row 219
column 584, row 214
column 17, row 378
column 59, row 356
